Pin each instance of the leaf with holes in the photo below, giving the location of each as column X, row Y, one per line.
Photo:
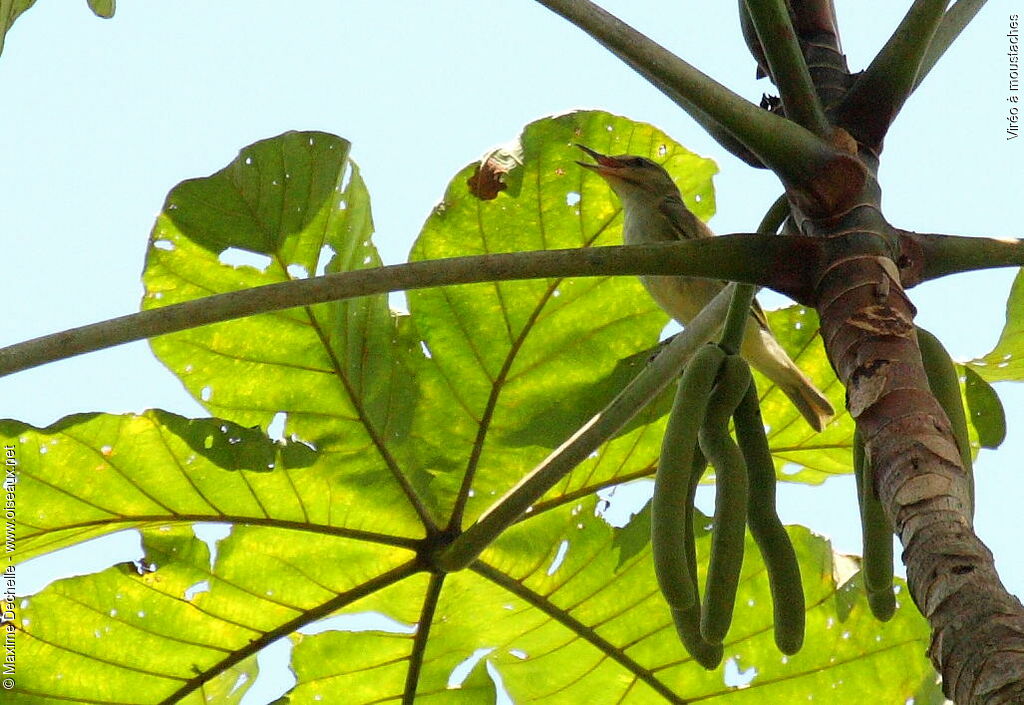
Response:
column 390, row 434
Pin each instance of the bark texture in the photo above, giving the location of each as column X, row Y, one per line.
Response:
column 867, row 324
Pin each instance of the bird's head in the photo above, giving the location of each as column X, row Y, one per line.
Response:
column 630, row 176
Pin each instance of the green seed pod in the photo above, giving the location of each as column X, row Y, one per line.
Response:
column 671, row 508
column 945, row 385
column 730, row 499
column 876, row 567
column 687, row 621
column 766, row 528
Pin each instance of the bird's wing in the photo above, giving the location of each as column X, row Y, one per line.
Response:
column 688, row 226
column 758, row 313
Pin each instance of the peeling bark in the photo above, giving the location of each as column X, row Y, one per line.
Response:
column 977, row 626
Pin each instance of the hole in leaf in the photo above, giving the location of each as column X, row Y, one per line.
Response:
column 192, row 590
column 211, row 534
column 275, row 429
column 242, row 679
column 237, row 257
column 461, row 672
column 734, row 677
column 556, row 563
column 624, row 501
column 359, row 622
column 275, row 676
column 347, row 176
column 92, row 556
column 324, row 259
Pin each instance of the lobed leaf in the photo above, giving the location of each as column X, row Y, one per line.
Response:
column 392, row 425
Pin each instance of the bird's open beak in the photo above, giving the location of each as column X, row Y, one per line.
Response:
column 606, row 166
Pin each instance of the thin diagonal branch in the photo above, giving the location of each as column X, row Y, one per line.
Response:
column 953, row 23
column 876, row 98
column 757, row 259
column 787, row 65
column 824, row 176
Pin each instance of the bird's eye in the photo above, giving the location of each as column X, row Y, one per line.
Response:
column 639, row 162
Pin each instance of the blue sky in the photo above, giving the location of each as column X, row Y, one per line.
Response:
column 101, row 118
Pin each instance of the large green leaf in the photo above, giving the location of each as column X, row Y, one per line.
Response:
column 398, row 428
column 515, row 356
column 564, row 620
column 534, row 360
column 340, row 372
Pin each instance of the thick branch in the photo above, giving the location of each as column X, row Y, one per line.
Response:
column 646, row 58
column 878, row 95
column 815, row 20
column 928, row 256
column 822, row 176
column 774, row 262
column 917, row 472
column 787, row 65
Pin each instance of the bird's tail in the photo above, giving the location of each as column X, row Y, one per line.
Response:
column 767, row 356
column 810, row 402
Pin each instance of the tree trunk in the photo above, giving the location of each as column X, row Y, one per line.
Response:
column 869, row 334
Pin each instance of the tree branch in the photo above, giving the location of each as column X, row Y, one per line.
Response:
column 927, row 256
column 764, row 260
column 815, row 20
column 953, row 23
column 787, row 65
column 824, row 177
column 878, row 95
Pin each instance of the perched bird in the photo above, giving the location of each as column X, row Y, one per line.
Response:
column 653, row 211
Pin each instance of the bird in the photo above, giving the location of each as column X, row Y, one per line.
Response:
column 653, row 211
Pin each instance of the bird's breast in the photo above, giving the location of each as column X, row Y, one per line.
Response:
column 681, row 297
